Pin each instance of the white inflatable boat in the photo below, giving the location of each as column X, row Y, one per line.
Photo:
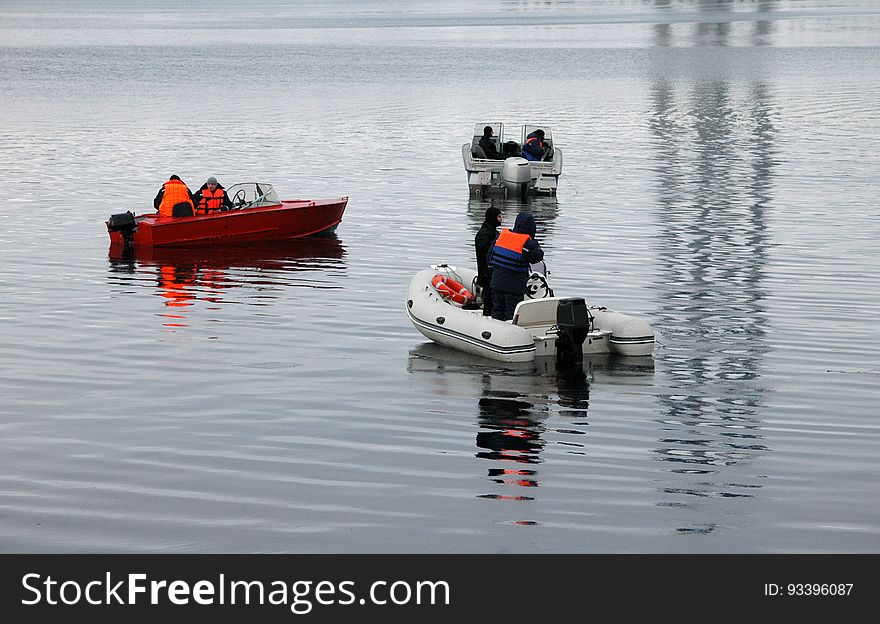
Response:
column 543, row 324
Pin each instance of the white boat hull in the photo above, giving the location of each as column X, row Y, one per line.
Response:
column 465, row 330
column 492, row 177
column 531, row 334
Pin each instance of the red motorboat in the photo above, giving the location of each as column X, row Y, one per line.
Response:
column 258, row 215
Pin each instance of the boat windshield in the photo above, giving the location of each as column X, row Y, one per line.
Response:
column 252, row 194
column 497, row 130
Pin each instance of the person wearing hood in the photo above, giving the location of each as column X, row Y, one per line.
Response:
column 483, row 242
column 510, row 259
column 211, row 197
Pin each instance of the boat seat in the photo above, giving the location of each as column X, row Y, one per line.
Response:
column 536, row 315
column 511, row 148
column 478, row 152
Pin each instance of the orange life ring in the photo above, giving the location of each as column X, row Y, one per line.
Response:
column 450, row 289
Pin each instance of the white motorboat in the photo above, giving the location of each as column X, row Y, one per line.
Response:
column 543, row 325
column 511, row 175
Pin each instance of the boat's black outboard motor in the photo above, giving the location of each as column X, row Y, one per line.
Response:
column 573, row 321
column 125, row 224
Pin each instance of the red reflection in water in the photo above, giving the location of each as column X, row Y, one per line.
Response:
column 511, row 433
column 187, row 275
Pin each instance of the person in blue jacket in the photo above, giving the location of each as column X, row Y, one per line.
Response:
column 510, row 259
column 533, row 148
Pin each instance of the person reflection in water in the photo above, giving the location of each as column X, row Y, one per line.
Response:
column 177, row 287
column 181, row 283
column 512, row 436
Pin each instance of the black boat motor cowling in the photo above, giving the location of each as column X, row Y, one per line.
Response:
column 123, row 223
column 573, row 323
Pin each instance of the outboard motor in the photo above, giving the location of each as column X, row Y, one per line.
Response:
column 573, row 321
column 125, row 224
column 516, row 173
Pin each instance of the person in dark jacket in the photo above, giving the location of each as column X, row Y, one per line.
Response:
column 510, row 259
column 533, row 148
column 488, row 145
column 211, row 197
column 483, row 242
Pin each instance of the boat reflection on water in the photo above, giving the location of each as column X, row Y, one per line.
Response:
column 517, row 400
column 184, row 276
column 610, row 368
column 545, row 210
column 540, row 375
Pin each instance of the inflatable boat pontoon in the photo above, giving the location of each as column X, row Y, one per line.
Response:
column 543, row 324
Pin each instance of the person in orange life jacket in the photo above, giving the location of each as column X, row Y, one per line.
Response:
column 174, row 199
column 510, row 259
column 211, row 197
column 483, row 242
column 533, row 148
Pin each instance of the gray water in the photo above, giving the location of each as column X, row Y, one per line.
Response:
column 720, row 180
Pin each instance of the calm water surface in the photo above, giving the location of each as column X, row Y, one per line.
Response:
column 720, row 180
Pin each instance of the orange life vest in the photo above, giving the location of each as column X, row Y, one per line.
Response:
column 507, row 252
column 528, row 147
column 209, row 201
column 176, row 192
